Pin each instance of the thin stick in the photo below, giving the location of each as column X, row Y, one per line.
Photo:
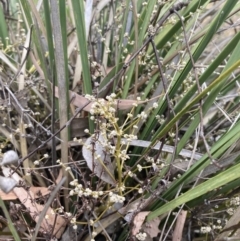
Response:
column 176, row 7
column 50, row 138
column 47, row 205
column 170, row 108
column 199, row 91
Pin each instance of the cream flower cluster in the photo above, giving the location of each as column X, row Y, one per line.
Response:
column 87, row 192
column 114, row 198
column 80, row 191
column 206, row 229
column 141, row 236
column 105, row 108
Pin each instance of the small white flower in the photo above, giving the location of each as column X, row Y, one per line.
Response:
column 28, row 174
column 73, row 183
column 71, row 193
column 112, row 134
column 95, row 194
column 87, row 192
column 17, row 130
column 75, row 226
column 107, row 51
column 113, row 95
column 155, row 105
column 206, row 229
column 80, row 193
column 230, row 211
column 140, row 190
column 158, row 161
column 122, row 188
column 53, row 212
column 36, row 163
column 130, row 174
column 45, row 155
column 68, row 214
column 134, row 104
column 80, row 141
column 73, row 220
column 154, row 165
column 114, row 198
column 141, row 236
column 100, row 193
column 89, row 97
column 112, row 110
column 139, row 167
column 142, row 116
column 61, row 209
column 98, row 157
column 86, row 131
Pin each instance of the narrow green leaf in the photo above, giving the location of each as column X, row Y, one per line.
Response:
column 212, row 96
column 196, row 54
column 195, row 100
column 215, row 182
column 145, row 17
column 48, row 26
column 36, row 38
column 217, row 150
column 78, row 11
column 10, row 223
column 3, row 27
column 121, row 39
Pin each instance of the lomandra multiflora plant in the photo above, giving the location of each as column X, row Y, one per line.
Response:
column 107, row 155
column 125, row 116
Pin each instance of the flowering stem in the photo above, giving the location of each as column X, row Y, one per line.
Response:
column 118, row 160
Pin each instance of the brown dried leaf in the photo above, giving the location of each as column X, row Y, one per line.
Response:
column 12, row 196
column 151, row 227
column 80, row 101
column 178, row 231
column 138, row 222
column 102, row 167
column 27, row 197
column 35, row 190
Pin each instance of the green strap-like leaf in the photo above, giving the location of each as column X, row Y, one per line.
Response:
column 215, row 182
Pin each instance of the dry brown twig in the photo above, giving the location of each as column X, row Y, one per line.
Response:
column 50, row 221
